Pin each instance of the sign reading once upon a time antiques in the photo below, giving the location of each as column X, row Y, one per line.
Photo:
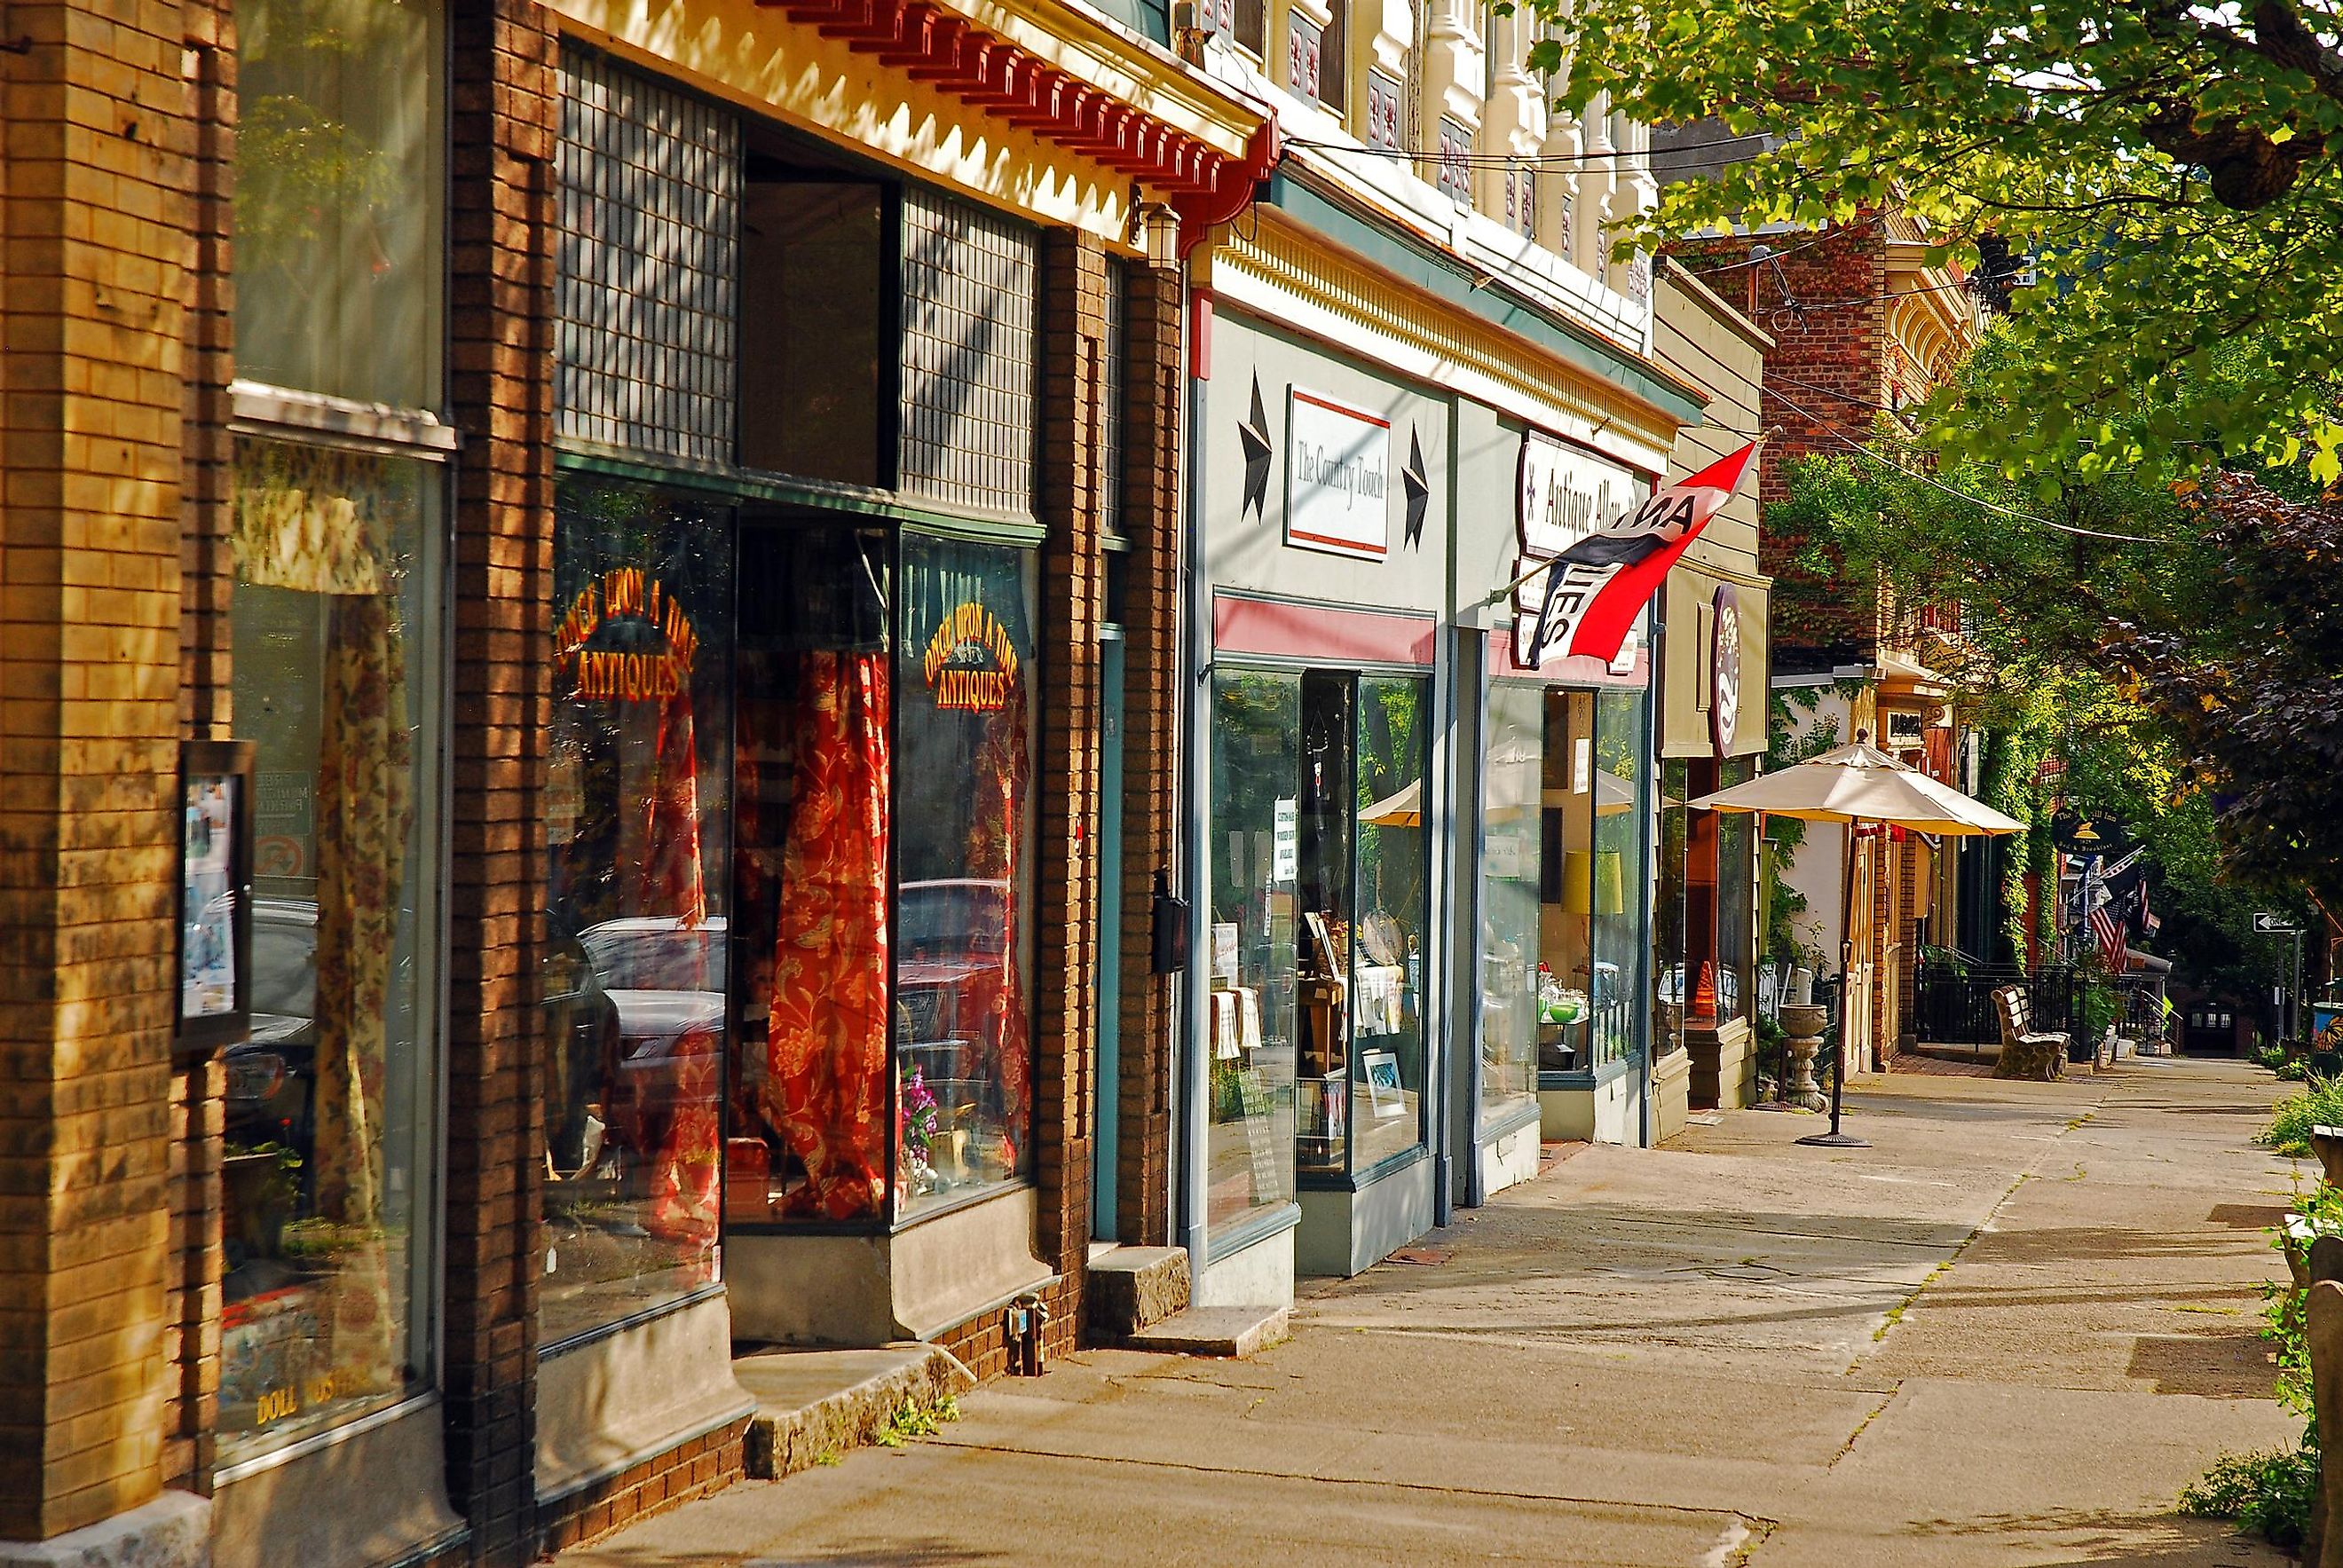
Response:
column 971, row 664
column 621, row 594
column 1337, row 477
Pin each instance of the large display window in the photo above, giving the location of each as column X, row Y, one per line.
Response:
column 1565, row 804
column 887, row 755
column 330, row 1111
column 1256, row 736
column 1707, row 899
column 1511, row 797
column 1320, row 901
column 636, row 831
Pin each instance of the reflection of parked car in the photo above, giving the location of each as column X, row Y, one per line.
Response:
column 269, row 1094
column 947, row 932
column 666, row 981
column 1728, row 987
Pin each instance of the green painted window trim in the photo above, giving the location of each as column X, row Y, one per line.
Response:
column 1447, row 279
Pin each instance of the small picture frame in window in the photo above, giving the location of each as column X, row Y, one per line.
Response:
column 1383, row 1089
column 214, row 976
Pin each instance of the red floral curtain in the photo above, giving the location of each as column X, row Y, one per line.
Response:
column 1003, row 776
column 826, row 1086
column 684, row 1174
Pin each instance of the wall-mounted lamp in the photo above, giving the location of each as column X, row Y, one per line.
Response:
column 1159, row 230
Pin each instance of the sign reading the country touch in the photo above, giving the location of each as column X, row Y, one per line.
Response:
column 1598, row 587
column 1725, row 673
column 1337, row 477
column 970, row 664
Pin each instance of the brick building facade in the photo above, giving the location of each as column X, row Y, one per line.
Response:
column 384, row 1256
column 1863, row 325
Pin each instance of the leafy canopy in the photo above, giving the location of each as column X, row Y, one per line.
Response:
column 2172, row 169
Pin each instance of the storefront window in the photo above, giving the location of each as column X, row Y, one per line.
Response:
column 1737, row 868
column 1568, row 888
column 885, row 758
column 1509, row 788
column 1668, row 933
column 326, row 1179
column 1620, row 804
column 964, row 864
column 337, row 197
column 1256, row 739
column 636, row 837
column 1393, row 898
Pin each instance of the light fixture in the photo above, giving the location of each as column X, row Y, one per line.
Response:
column 1158, row 226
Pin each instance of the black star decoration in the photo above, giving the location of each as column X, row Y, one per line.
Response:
column 1419, row 488
column 1255, row 434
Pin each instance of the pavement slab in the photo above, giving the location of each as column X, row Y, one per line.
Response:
column 2007, row 1333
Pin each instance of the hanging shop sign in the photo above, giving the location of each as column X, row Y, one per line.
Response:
column 1337, row 477
column 622, row 597
column 1596, row 588
column 971, row 665
column 1725, row 672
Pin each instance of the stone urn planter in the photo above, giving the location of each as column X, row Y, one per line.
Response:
column 1804, row 1022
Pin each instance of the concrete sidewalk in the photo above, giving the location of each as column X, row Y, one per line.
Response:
column 2006, row 1334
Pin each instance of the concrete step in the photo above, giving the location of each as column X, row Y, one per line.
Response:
column 1131, row 1288
column 1237, row 1332
column 815, row 1404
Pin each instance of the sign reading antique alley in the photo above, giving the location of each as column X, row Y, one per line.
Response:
column 1595, row 590
column 1337, row 477
column 971, row 665
column 1565, row 494
column 620, row 597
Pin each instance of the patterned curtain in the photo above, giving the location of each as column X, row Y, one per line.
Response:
column 683, row 1167
column 364, row 814
column 826, row 1087
column 1003, row 776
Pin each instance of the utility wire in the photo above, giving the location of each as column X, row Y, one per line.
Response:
column 1500, row 160
column 1898, row 469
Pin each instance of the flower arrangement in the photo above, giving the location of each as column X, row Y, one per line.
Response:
column 917, row 1117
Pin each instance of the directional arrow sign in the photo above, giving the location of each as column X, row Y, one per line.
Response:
column 2269, row 925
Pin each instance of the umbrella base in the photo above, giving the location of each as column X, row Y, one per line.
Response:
column 1835, row 1141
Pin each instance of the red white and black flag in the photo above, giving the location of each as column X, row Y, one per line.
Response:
column 1598, row 585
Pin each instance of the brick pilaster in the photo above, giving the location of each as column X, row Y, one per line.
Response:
column 93, row 257
column 196, row 1264
column 501, row 223
column 1070, row 481
column 1152, row 412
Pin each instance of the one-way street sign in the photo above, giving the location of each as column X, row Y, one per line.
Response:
column 2266, row 924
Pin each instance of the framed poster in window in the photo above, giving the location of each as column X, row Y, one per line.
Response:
column 215, row 944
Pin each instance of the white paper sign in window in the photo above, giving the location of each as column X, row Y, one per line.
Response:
column 1337, row 477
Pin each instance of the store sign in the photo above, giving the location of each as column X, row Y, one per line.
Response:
column 1725, row 673
column 971, row 665
column 622, row 597
column 1563, row 494
column 1595, row 590
column 1337, row 477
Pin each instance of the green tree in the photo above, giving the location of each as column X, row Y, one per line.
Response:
column 2171, row 170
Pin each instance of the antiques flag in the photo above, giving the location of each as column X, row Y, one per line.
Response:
column 1595, row 589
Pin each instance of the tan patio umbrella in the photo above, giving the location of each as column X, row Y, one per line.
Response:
column 1854, row 785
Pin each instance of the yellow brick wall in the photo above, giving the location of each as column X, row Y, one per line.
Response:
column 94, row 251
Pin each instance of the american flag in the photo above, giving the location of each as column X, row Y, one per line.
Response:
column 2109, row 927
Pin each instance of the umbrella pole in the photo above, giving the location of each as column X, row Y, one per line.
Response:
column 1835, row 1138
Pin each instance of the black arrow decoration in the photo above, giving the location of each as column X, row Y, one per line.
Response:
column 1254, row 435
column 1418, row 488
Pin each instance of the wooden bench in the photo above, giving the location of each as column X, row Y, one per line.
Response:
column 2026, row 1051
